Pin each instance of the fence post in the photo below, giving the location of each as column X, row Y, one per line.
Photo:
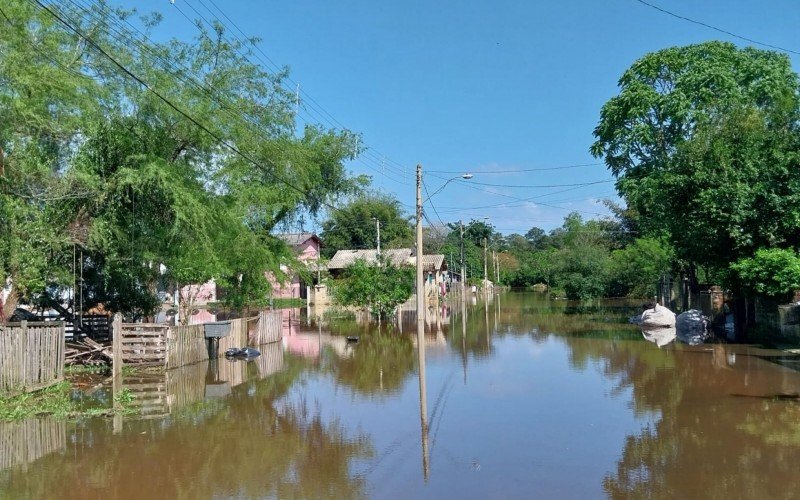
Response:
column 116, row 345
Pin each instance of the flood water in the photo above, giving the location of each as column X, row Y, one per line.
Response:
column 523, row 398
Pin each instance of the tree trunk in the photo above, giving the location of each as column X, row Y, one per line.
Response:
column 8, row 307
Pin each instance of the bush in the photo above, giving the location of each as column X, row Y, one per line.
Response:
column 773, row 272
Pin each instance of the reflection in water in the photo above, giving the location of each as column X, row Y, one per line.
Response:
column 659, row 336
column 725, row 428
column 564, row 400
column 251, row 444
column 159, row 394
column 423, row 401
column 22, row 443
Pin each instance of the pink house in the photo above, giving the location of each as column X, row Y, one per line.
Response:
column 306, row 246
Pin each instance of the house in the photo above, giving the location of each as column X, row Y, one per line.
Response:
column 434, row 267
column 345, row 258
column 306, row 246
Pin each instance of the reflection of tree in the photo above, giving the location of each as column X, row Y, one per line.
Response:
column 380, row 364
column 708, row 442
column 252, row 446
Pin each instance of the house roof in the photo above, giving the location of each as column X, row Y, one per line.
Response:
column 344, row 258
column 296, row 239
column 397, row 256
column 432, row 262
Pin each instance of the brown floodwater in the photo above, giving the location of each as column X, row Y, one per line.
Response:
column 523, row 398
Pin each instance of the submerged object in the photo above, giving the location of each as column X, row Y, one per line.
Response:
column 658, row 316
column 692, row 327
column 243, row 353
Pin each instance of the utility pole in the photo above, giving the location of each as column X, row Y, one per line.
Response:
column 420, row 283
column 423, row 399
column 378, row 229
column 463, row 269
column 485, row 264
column 496, row 267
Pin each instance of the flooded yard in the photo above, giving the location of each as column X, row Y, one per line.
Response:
column 524, row 398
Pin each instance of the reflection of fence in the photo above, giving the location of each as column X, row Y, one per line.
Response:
column 270, row 361
column 160, row 394
column 23, row 442
column 174, row 346
column 31, row 356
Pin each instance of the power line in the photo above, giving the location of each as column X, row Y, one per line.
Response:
column 537, row 186
column 318, row 108
column 166, row 101
column 720, row 30
column 518, row 170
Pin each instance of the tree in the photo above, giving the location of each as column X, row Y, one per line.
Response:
column 191, row 170
column 703, row 141
column 381, row 287
column 771, row 272
column 635, row 269
column 353, row 226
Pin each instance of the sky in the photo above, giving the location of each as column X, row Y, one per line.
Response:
column 507, row 90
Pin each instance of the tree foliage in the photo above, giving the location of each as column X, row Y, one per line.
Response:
column 192, row 171
column 772, row 272
column 380, row 286
column 703, row 140
column 353, row 225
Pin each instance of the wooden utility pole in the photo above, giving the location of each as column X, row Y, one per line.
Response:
column 463, row 269
column 485, row 264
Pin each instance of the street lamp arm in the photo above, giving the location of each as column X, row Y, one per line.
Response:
column 462, row 176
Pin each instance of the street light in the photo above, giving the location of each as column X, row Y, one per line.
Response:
column 420, row 283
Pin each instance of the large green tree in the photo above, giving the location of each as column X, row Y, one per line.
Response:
column 353, row 225
column 703, row 141
column 187, row 157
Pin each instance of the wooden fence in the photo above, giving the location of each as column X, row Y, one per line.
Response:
column 31, row 439
column 141, row 343
column 173, row 346
column 31, row 356
column 186, row 345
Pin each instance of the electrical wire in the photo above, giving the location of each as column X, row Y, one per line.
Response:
column 401, row 170
column 519, row 170
column 538, row 186
column 720, row 30
column 169, row 103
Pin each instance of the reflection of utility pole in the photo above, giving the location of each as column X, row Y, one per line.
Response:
column 464, row 337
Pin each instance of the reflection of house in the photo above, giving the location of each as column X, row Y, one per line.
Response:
column 306, row 247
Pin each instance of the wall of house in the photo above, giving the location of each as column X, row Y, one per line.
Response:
column 288, row 289
column 203, row 294
column 308, row 251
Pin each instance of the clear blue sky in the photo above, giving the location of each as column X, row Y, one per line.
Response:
column 479, row 86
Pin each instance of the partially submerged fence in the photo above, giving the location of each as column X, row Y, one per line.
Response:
column 173, row 346
column 31, row 356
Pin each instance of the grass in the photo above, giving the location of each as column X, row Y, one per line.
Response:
column 288, row 303
column 57, row 401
